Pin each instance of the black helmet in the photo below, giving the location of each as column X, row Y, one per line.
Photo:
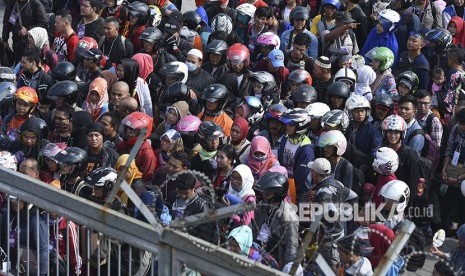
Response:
column 102, row 177
column 176, row 92
column 36, row 125
column 299, row 12
column 410, row 79
column 7, row 74
column 304, row 93
column 152, row 35
column 266, row 79
column 441, row 38
column 7, row 90
column 139, row 10
column 67, row 89
column 274, row 182
column 216, row 92
column 339, row 89
column 72, row 156
column 383, row 98
column 64, row 71
column 208, row 130
column 217, row 46
column 191, row 19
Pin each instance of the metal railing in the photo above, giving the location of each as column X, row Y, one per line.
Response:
column 167, row 250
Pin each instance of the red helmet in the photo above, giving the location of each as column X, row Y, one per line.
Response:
column 137, row 120
column 85, row 44
column 238, row 53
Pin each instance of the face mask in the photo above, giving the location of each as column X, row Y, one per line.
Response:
column 261, row 158
column 191, row 67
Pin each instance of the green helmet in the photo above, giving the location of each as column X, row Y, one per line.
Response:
column 384, row 55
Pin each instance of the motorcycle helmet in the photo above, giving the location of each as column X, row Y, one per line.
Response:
column 152, row 35
column 138, row 121
column 188, row 125
column 394, row 123
column 410, row 79
column 256, row 108
column 397, row 191
column 50, row 150
column 266, row 80
column 357, row 101
column 317, row 110
column 304, row 93
column 268, row 39
column 338, row 89
column 441, row 38
column 300, row 76
column 7, row 75
column 384, row 55
column 85, row 44
column 176, row 92
column 217, row 46
column 298, row 117
column 237, row 54
column 36, row 125
column 27, row 94
column 275, row 111
column 64, row 70
column 66, row 89
column 333, row 138
column 384, row 99
column 389, row 20
column 140, row 11
column 386, row 161
column 102, row 178
column 72, row 156
column 7, row 91
column 273, row 182
column 299, row 12
column 155, row 15
column 335, row 118
column 208, row 130
column 245, row 13
column 8, row 160
column 175, row 69
column 222, row 22
column 191, row 20
column 216, row 93
column 347, row 76
column 334, row 3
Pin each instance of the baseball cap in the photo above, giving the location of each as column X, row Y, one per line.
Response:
column 277, row 58
column 94, row 53
column 320, row 166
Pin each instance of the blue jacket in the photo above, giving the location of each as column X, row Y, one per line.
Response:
column 303, row 156
column 385, row 39
column 368, row 139
column 312, row 47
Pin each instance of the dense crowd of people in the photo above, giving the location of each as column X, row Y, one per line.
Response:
column 278, row 104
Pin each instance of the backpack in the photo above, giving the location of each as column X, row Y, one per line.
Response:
column 431, row 150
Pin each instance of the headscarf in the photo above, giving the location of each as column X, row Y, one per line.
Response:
column 247, row 182
column 131, row 73
column 175, row 140
column 259, row 168
column 246, row 108
column 182, row 108
column 380, row 237
column 40, row 36
column 145, row 62
column 366, row 77
column 100, row 85
column 244, row 126
column 133, row 170
column 110, row 77
column 458, row 38
column 243, row 237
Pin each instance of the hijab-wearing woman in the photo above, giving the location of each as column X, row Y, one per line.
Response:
column 241, row 191
column 260, row 158
column 97, row 99
column 456, row 29
column 239, row 140
column 38, row 37
column 133, row 177
column 366, row 77
column 170, row 142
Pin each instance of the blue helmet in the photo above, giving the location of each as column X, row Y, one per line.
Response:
column 334, row 3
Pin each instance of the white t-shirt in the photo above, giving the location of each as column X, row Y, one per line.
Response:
column 287, row 13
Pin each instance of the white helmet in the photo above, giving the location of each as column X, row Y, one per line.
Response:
column 317, row 110
column 357, row 101
column 386, row 161
column 333, row 138
column 247, row 9
column 389, row 18
column 398, row 191
column 346, row 74
column 177, row 69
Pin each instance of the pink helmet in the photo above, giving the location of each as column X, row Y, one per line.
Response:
column 189, row 124
column 51, row 149
column 269, row 39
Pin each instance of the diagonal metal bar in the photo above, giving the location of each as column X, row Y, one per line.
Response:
column 131, row 157
column 194, row 220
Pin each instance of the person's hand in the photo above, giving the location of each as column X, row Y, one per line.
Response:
column 352, row 26
column 452, row 180
column 172, row 44
column 444, row 174
column 226, row 201
column 437, row 252
column 23, row 31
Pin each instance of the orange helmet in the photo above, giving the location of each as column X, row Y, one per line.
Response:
column 27, row 94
